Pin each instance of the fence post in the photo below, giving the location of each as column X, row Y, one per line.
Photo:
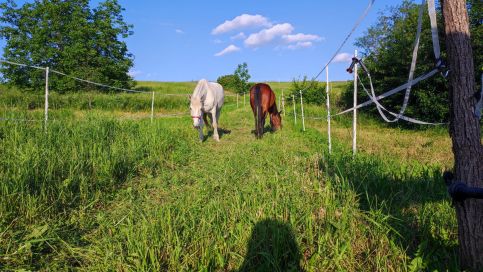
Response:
column 46, row 97
column 244, row 99
column 237, row 100
column 354, row 119
column 294, row 111
column 280, row 101
column 328, row 110
column 302, row 109
column 152, row 108
column 283, row 104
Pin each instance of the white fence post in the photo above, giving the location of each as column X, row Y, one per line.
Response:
column 302, row 109
column 354, row 120
column 152, row 108
column 46, row 97
column 280, row 101
column 283, row 104
column 294, row 111
column 328, row 109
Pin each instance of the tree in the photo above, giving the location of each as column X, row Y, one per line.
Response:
column 243, row 76
column 68, row 36
column 387, row 51
column 465, row 131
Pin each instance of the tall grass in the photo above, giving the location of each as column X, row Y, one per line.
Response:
column 99, row 193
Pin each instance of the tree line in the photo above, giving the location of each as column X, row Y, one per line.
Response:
column 68, row 36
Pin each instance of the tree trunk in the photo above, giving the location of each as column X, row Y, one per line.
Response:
column 465, row 132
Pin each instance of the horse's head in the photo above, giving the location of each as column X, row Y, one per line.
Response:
column 195, row 109
column 276, row 120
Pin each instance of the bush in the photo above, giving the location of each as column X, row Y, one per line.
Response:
column 313, row 91
column 229, row 82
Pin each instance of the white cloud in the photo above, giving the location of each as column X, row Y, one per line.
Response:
column 267, row 35
column 217, row 41
column 179, row 31
column 300, row 37
column 300, row 45
column 242, row 21
column 135, row 73
column 230, row 49
column 343, row 57
column 239, row 36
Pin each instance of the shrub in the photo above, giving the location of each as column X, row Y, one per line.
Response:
column 313, row 91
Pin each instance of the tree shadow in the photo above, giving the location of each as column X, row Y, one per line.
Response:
column 272, row 247
column 398, row 192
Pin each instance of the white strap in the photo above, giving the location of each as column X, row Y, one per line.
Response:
column 479, row 104
column 434, row 29
column 393, row 91
column 411, row 71
column 399, row 116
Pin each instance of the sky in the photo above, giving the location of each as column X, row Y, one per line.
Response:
column 187, row 40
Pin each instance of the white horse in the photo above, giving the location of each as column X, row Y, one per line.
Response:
column 207, row 99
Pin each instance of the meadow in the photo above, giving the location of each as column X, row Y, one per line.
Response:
column 105, row 189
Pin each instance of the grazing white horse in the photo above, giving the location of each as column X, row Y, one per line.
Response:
column 207, row 99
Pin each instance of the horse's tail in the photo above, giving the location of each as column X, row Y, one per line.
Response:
column 258, row 108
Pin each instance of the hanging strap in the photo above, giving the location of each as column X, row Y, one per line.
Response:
column 479, row 104
column 434, row 30
column 411, row 72
column 399, row 116
column 393, row 91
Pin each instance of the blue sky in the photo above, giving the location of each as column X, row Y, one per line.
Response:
column 279, row 40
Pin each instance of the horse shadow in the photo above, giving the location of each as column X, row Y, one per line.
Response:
column 265, row 130
column 272, row 247
column 221, row 133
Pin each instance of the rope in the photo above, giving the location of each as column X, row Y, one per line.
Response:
column 23, row 65
column 20, row 120
column 358, row 22
column 95, row 83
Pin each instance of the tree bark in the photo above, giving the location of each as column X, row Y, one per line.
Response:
column 465, row 132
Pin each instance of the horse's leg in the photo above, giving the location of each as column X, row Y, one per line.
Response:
column 208, row 125
column 200, row 128
column 214, row 113
column 264, row 116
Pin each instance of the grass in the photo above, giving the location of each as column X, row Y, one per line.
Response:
column 99, row 192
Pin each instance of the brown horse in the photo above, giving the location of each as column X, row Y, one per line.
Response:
column 262, row 100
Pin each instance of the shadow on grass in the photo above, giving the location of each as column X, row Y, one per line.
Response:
column 221, row 133
column 265, row 130
column 143, row 89
column 404, row 191
column 272, row 247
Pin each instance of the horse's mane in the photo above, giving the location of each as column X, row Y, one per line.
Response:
column 201, row 89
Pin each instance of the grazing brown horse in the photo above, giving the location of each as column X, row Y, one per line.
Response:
column 262, row 100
